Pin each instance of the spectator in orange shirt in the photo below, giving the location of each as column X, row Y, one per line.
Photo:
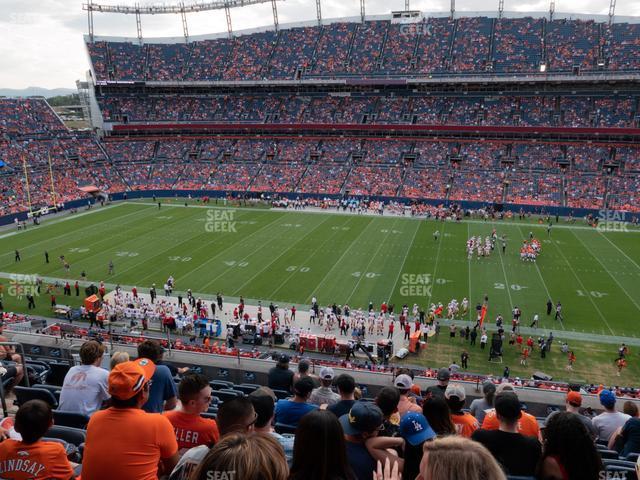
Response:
column 464, row 422
column 527, row 425
column 33, row 458
column 404, row 383
column 191, row 429
column 124, row 441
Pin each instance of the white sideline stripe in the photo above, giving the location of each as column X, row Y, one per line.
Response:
column 387, row 214
column 53, row 221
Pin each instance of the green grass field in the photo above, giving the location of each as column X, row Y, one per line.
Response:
column 290, row 256
column 287, row 257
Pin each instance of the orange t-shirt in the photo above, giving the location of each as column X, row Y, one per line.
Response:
column 527, row 425
column 127, row 443
column 465, row 424
column 193, row 430
column 36, row 461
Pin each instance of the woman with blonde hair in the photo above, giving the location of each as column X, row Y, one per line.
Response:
column 458, row 458
column 118, row 357
column 249, row 457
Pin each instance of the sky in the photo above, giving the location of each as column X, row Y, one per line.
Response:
column 42, row 42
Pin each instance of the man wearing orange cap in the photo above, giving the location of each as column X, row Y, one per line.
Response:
column 124, row 441
column 573, row 403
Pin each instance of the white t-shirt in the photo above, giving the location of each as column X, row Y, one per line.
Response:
column 608, row 422
column 84, row 389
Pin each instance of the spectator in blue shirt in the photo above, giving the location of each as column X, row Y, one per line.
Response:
column 290, row 411
column 163, row 392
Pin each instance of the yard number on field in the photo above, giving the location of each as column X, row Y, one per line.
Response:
column 365, row 274
column 593, row 293
column 179, row 259
column 501, row 286
column 295, row 268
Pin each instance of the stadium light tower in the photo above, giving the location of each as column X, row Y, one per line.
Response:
column 319, row 12
column 362, row 12
column 453, row 8
column 612, row 11
column 180, row 8
column 552, row 9
column 500, row 8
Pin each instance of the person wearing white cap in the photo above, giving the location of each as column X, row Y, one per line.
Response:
column 464, row 422
column 323, row 395
column 404, row 383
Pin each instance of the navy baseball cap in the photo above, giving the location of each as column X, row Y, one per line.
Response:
column 415, row 428
column 363, row 417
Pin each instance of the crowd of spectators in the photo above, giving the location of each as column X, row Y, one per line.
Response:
column 511, row 110
column 436, row 45
column 302, row 426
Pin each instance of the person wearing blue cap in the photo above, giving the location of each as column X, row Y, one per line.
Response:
column 415, row 430
column 610, row 420
column 363, row 422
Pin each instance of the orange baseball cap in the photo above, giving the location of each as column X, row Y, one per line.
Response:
column 128, row 378
column 574, row 398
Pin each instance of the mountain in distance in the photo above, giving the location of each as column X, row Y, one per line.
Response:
column 36, row 92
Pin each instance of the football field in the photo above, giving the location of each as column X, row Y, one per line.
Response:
column 287, row 257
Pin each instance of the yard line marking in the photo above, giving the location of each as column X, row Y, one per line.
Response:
column 278, row 218
column 288, row 277
column 237, row 290
column 506, row 280
column 404, row 261
column 174, row 245
column 346, row 250
column 56, row 220
column 71, row 232
column 121, row 245
column 541, row 277
column 268, row 242
column 608, row 272
column 584, row 288
column 619, row 249
column 435, row 267
column 380, row 244
column 469, row 267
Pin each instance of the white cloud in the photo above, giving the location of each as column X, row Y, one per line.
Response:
column 42, row 39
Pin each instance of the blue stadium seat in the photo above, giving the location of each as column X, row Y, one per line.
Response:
column 24, row 394
column 70, row 419
column 284, row 428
